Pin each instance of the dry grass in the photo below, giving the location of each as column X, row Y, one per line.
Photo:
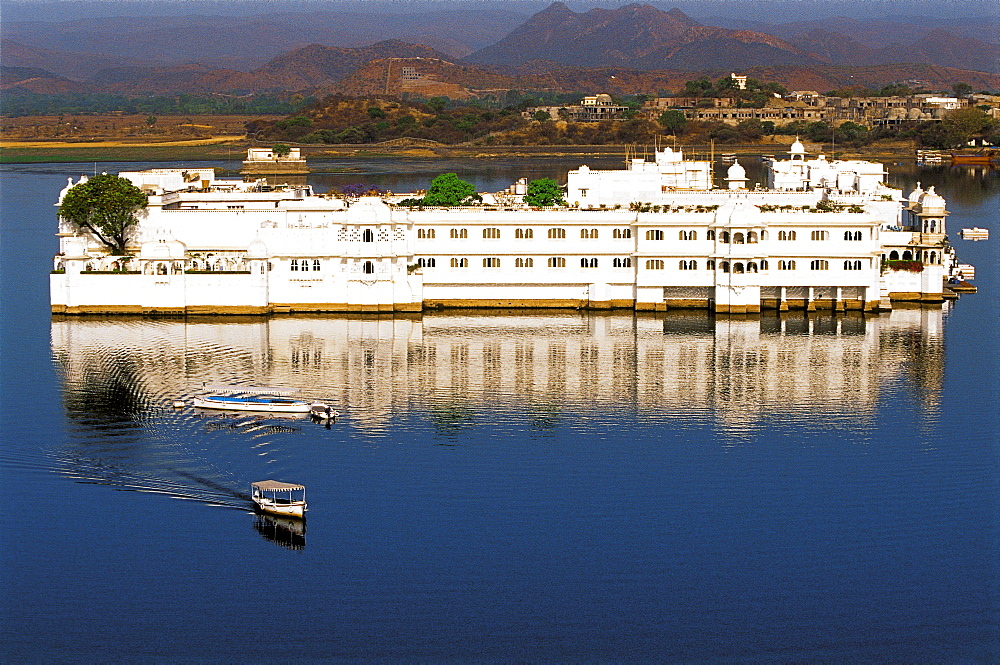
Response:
column 65, row 145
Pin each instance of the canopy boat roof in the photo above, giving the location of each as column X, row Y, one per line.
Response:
column 274, row 485
column 256, row 390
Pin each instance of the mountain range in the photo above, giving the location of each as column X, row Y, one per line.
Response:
column 554, row 49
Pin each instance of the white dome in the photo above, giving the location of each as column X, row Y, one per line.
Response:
column 916, row 194
column 931, row 201
column 736, row 172
column 257, row 249
column 797, row 147
column 369, row 210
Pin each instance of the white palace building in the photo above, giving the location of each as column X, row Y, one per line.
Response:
column 656, row 235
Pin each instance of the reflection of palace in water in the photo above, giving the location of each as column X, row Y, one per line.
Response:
column 742, row 370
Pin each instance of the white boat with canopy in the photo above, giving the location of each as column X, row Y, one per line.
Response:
column 241, row 398
column 277, row 498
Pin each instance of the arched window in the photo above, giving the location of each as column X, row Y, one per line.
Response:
column 710, row 235
column 724, row 236
column 588, row 263
column 460, row 263
column 491, row 262
column 737, row 238
column 654, row 234
column 459, row 233
column 426, row 263
column 368, row 268
column 305, row 265
column 523, row 234
column 368, row 236
column 295, row 265
column 683, row 235
column 491, row 233
column 752, row 237
column 763, row 264
column 557, row 234
column 654, row 264
column 725, row 266
column 819, row 235
column 423, row 234
column 751, row 267
column 588, row 234
column 738, row 268
column 893, row 255
column 557, row 262
column 852, row 235
column 786, row 235
column 622, row 262
column 819, row 264
column 316, row 264
column 852, row 265
column 161, row 268
column 933, row 257
column 523, row 263
column 763, row 236
column 907, row 255
column 621, row 234
column 710, row 264
column 688, row 265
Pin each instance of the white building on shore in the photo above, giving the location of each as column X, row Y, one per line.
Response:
column 656, row 237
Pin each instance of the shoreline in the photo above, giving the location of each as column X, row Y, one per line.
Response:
column 229, row 149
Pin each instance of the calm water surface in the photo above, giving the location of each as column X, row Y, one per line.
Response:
column 554, row 486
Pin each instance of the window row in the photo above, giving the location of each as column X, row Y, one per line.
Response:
column 737, row 238
column 303, row 265
column 493, row 233
column 552, row 262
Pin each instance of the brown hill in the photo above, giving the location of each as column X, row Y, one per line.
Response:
column 15, row 80
column 317, row 66
column 76, row 66
column 461, row 81
column 636, row 36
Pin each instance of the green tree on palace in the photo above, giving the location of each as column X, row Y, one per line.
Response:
column 673, row 120
column 449, row 190
column 544, row 192
column 107, row 206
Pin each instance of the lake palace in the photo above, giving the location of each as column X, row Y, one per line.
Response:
column 655, row 235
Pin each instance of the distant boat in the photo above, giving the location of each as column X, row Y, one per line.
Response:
column 277, row 498
column 981, row 158
column 975, row 233
column 266, row 400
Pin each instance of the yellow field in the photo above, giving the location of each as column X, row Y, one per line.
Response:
column 62, row 145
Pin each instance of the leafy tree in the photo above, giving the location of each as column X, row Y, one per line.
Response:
column 542, row 116
column 375, row 113
column 151, row 120
column 968, row 122
column 673, row 120
column 449, row 190
column 437, row 103
column 107, row 206
column 280, row 150
column 961, row 89
column 544, row 192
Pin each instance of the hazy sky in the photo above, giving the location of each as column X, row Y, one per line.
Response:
column 771, row 11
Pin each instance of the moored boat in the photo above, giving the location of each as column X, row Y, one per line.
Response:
column 261, row 400
column 278, row 498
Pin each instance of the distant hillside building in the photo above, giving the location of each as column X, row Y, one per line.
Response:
column 263, row 162
column 591, row 109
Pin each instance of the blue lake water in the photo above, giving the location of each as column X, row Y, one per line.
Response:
column 504, row 486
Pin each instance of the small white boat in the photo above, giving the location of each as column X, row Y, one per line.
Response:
column 263, row 400
column 277, row 498
column 323, row 412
